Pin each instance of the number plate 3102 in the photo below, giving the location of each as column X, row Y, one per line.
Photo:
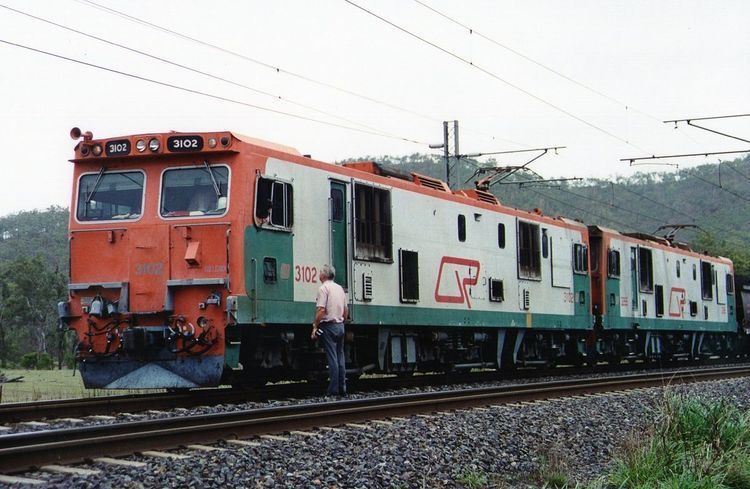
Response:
column 184, row 143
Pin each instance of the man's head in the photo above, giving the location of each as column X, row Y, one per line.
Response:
column 327, row 272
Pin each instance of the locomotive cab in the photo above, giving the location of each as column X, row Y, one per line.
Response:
column 150, row 239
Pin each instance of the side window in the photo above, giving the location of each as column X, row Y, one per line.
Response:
column 659, row 300
column 580, row 258
column 501, row 235
column 645, row 270
column 337, row 205
column 677, row 267
column 707, row 280
column 409, row 275
column 372, row 219
column 613, row 263
column 274, row 203
column 529, row 262
column 695, row 276
column 545, row 244
column 461, row 228
column 497, row 293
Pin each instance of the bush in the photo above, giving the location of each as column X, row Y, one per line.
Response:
column 37, row 361
column 695, row 444
column 45, row 362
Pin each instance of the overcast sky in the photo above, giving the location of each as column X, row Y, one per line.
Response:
column 665, row 59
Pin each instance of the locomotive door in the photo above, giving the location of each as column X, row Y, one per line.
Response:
column 338, row 246
column 634, row 305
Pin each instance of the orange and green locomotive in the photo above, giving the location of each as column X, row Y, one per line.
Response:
column 194, row 261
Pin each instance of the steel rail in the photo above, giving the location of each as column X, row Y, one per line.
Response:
column 23, row 451
column 132, row 403
column 58, row 408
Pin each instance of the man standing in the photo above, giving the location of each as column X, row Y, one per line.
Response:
column 330, row 313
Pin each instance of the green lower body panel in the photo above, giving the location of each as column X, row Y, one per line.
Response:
column 657, row 324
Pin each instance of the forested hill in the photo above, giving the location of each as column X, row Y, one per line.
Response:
column 714, row 197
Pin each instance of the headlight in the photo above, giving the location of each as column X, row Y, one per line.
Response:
column 140, row 145
column 97, row 150
column 153, row 145
column 224, row 141
column 84, row 150
column 211, row 142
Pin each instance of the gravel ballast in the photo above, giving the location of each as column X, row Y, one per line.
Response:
column 509, row 444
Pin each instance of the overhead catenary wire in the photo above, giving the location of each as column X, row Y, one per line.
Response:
column 538, row 63
column 202, row 93
column 580, row 209
column 735, row 170
column 609, row 204
column 713, row 184
column 492, row 74
column 585, row 86
column 279, row 69
column 662, row 204
column 684, row 214
column 191, row 69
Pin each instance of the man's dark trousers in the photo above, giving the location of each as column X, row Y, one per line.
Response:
column 333, row 343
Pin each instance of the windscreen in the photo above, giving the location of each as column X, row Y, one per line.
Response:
column 196, row 191
column 110, row 196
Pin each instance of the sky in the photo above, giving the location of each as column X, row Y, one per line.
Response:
column 642, row 61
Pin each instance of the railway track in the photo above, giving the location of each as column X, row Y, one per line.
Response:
column 108, row 405
column 23, row 451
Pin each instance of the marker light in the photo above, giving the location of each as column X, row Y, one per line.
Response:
column 211, row 142
column 153, row 145
column 84, row 150
column 224, row 141
column 140, row 145
column 97, row 150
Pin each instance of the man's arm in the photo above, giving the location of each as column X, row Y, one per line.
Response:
column 319, row 313
column 346, row 313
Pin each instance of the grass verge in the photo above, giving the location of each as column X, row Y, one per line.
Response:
column 38, row 385
column 693, row 445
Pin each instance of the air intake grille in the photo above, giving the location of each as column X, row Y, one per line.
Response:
column 430, row 182
column 487, row 197
column 366, row 287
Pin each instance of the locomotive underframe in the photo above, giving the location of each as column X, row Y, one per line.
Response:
column 279, row 352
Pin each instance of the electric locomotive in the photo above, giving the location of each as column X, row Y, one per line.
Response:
column 195, row 257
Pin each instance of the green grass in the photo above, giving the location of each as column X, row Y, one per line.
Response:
column 693, row 445
column 40, row 385
column 473, row 479
column 553, row 468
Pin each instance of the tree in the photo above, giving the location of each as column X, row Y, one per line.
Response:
column 29, row 292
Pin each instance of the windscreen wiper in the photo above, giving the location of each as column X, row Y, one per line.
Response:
column 96, row 184
column 213, row 178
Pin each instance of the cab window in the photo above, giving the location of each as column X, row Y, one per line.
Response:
column 273, row 203
column 194, row 191
column 109, row 196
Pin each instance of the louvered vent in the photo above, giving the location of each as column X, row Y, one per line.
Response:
column 429, row 182
column 526, row 299
column 480, row 195
column 487, row 197
column 366, row 287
